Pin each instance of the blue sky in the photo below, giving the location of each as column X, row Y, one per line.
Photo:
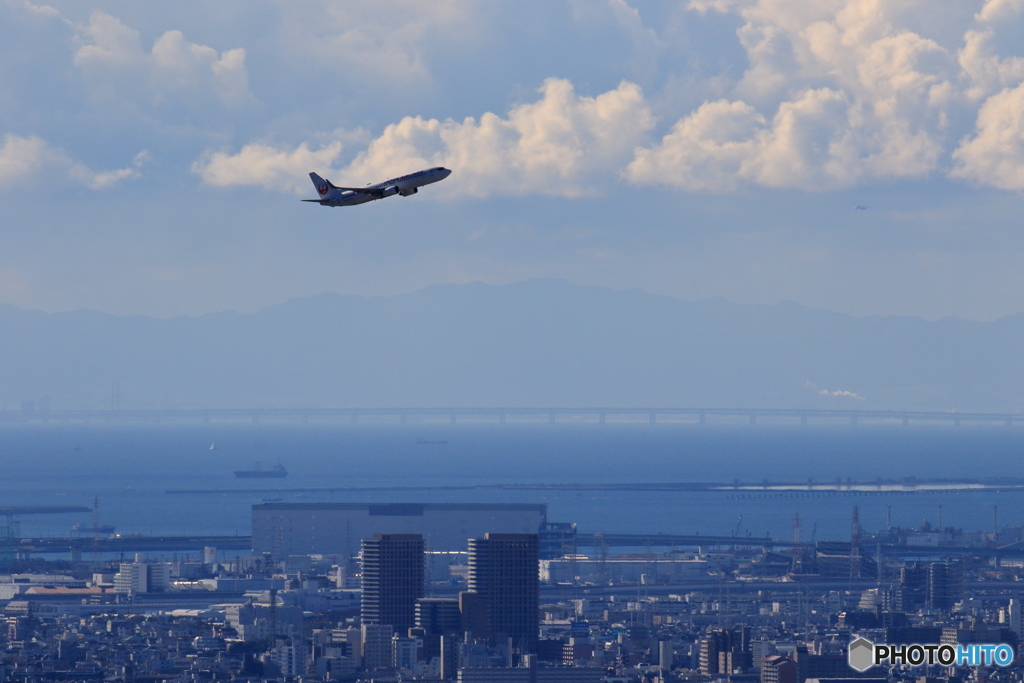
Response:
column 152, row 154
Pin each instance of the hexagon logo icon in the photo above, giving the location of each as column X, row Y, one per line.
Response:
column 861, row 654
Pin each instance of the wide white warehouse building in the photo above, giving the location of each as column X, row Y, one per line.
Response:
column 339, row 528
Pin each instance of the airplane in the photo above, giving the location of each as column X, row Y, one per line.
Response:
column 860, row 207
column 332, row 195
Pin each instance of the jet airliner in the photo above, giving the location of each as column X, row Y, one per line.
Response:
column 332, row 195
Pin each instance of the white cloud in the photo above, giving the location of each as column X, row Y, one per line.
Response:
column 41, row 10
column 996, row 10
column 108, row 42
column 174, row 71
column 831, row 94
column 816, row 141
column 825, row 393
column 181, row 66
column 986, row 72
column 840, row 394
column 704, row 151
column 556, row 146
column 552, row 146
column 994, row 154
column 806, row 144
column 103, row 179
column 266, row 166
column 23, row 159
column 852, row 95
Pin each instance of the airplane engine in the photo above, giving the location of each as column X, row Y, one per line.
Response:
column 388, row 191
column 412, row 190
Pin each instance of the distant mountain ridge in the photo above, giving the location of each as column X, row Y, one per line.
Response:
column 533, row 343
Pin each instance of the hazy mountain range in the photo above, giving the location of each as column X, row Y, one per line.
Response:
column 535, row 343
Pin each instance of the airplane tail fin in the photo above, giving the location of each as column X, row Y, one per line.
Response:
column 324, row 188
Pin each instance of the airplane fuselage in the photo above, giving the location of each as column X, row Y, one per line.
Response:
column 330, row 195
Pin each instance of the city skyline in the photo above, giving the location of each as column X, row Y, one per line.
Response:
column 702, row 365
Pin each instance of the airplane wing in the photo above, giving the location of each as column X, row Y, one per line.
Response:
column 318, row 201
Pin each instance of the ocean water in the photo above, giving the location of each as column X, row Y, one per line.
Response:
column 129, row 470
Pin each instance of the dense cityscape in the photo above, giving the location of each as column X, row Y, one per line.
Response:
column 548, row 341
column 496, row 593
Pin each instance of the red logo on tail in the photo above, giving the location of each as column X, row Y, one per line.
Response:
column 322, row 188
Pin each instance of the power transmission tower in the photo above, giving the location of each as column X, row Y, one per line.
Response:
column 855, row 563
column 798, row 560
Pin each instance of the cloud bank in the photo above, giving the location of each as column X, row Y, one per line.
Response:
column 840, row 93
column 835, row 93
column 816, row 95
column 551, row 146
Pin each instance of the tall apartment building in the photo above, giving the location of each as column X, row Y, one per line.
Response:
column 142, row 577
column 945, row 584
column 912, row 589
column 938, row 585
column 392, row 580
column 725, row 651
column 503, row 572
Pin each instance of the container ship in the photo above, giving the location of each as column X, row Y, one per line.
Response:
column 276, row 472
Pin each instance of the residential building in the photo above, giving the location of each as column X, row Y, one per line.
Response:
column 392, row 579
column 503, row 572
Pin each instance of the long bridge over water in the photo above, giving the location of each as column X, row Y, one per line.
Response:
column 79, row 546
column 501, row 415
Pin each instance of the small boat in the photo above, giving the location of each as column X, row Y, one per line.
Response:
column 276, row 472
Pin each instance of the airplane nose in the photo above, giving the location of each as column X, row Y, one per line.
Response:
column 447, row 172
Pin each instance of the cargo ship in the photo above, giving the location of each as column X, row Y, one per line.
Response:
column 276, row 472
column 97, row 530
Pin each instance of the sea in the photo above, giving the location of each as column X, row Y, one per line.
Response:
column 129, row 470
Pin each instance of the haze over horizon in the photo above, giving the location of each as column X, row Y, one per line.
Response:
column 536, row 343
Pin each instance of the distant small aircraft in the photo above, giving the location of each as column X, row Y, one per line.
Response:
column 332, row 195
column 860, row 207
